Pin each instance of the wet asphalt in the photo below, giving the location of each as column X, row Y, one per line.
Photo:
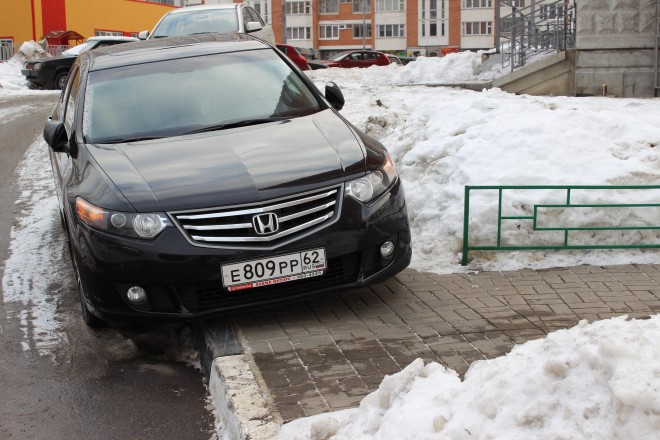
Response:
column 116, row 382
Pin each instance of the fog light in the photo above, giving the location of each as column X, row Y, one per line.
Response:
column 387, row 249
column 136, row 295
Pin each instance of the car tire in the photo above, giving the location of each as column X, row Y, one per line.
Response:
column 90, row 320
column 60, row 81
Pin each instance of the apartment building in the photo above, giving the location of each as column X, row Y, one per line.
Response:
column 405, row 27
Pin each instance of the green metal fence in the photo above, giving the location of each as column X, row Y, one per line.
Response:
column 534, row 218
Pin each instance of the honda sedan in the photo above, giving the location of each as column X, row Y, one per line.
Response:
column 205, row 174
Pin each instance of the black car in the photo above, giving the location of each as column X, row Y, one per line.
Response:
column 52, row 72
column 205, row 174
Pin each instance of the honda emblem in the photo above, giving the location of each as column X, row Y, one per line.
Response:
column 266, row 223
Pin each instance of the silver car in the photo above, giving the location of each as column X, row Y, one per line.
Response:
column 220, row 18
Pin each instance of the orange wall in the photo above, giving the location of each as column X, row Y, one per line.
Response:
column 86, row 16
column 16, row 20
column 82, row 16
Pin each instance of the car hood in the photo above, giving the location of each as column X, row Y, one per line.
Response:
column 233, row 166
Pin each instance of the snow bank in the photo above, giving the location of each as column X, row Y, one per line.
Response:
column 593, row 381
column 11, row 78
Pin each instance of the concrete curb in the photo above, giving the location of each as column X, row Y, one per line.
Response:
column 241, row 399
column 243, row 407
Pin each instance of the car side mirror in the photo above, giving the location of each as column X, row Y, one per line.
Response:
column 143, row 35
column 334, row 95
column 253, row 26
column 55, row 136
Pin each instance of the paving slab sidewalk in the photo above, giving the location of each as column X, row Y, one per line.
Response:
column 327, row 353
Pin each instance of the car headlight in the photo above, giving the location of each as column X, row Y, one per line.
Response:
column 37, row 66
column 374, row 184
column 122, row 223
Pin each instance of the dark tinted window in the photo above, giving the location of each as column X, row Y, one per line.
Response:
column 172, row 97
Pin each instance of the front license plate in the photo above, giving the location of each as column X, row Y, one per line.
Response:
column 273, row 270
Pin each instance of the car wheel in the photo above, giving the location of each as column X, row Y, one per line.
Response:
column 89, row 319
column 60, row 81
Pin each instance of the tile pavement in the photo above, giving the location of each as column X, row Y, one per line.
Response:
column 327, row 353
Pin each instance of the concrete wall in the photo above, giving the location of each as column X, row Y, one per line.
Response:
column 615, row 46
column 553, row 75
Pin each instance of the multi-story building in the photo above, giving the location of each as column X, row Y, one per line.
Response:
column 406, row 27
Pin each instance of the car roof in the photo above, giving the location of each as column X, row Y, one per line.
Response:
column 111, row 38
column 146, row 51
column 203, row 7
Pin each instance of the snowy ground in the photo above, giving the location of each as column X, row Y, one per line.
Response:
column 596, row 380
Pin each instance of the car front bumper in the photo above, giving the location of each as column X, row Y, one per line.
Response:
column 183, row 281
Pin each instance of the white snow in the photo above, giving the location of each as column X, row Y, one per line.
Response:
column 596, row 381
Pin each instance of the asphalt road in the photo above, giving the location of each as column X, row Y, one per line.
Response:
column 128, row 382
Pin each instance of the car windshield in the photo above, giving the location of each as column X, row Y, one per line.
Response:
column 76, row 50
column 197, row 22
column 175, row 97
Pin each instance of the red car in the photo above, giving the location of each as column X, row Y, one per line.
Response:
column 294, row 56
column 358, row 58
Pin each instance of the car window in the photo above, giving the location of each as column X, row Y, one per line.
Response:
column 70, row 98
column 254, row 15
column 246, row 16
column 172, row 97
column 197, row 22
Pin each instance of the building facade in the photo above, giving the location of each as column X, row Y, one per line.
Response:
column 405, row 27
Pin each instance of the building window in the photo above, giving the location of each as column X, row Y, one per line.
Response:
column 328, row 6
column 478, row 28
column 329, row 32
column 359, row 4
column 108, row 33
column 390, row 5
column 471, row 4
column 298, row 8
column 550, row 12
column 359, row 34
column 433, row 16
column 391, row 30
column 299, row 33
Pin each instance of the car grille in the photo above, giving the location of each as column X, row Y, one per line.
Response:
column 210, row 295
column 268, row 223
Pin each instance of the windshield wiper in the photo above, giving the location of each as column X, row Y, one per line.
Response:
column 127, row 140
column 241, row 123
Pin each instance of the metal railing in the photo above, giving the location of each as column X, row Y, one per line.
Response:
column 6, row 50
column 526, row 27
column 593, row 214
column 56, row 50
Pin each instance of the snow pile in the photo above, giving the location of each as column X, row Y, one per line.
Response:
column 452, row 68
column 445, row 138
column 593, row 381
column 11, row 77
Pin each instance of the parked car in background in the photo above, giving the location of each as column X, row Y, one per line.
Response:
column 316, row 64
column 406, row 60
column 216, row 18
column 52, row 72
column 395, row 59
column 294, row 55
column 201, row 175
column 357, row 58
